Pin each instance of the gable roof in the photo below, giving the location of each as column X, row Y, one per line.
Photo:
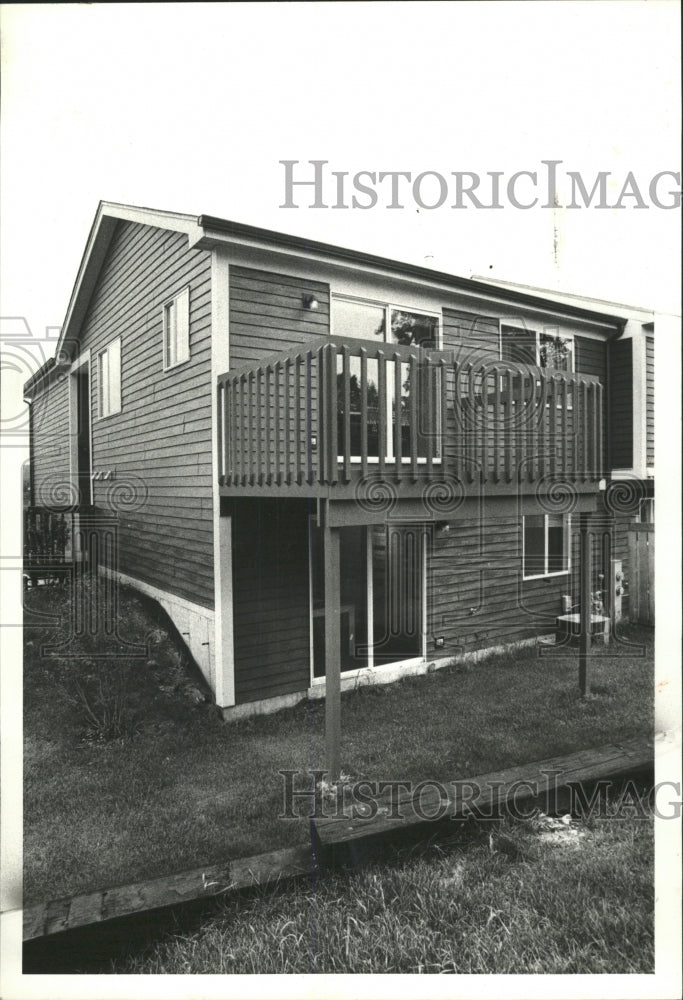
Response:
column 206, row 231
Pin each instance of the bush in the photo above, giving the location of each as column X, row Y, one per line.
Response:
column 99, row 690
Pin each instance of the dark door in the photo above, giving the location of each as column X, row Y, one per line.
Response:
column 83, row 434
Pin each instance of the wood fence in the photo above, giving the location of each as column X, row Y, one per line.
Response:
column 641, row 579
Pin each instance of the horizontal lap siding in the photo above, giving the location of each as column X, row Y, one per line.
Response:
column 476, row 595
column 50, row 444
column 650, row 398
column 473, row 337
column 271, row 598
column 620, row 430
column 267, row 315
column 159, row 445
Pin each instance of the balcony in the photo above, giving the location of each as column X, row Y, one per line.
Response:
column 338, row 413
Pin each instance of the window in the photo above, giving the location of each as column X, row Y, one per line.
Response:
column 531, row 347
column 407, row 327
column 546, row 545
column 177, row 330
column 370, row 321
column 109, row 379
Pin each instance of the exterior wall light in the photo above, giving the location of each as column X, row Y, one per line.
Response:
column 310, row 302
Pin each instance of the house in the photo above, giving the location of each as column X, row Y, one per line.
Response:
column 314, row 455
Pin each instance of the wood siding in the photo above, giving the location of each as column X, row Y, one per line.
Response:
column 159, row 446
column 620, row 426
column 476, row 595
column 471, row 336
column 271, row 598
column 267, row 315
column 50, row 445
column 650, row 398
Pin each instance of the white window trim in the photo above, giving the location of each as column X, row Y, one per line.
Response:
column 548, row 331
column 567, row 534
column 169, row 302
column 99, row 355
column 371, row 669
column 387, row 306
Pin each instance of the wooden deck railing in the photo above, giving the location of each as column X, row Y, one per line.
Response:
column 339, row 409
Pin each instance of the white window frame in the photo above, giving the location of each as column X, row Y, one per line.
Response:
column 548, row 332
column 350, row 677
column 177, row 308
column 390, row 456
column 109, row 399
column 567, row 538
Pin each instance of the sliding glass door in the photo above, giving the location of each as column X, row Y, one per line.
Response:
column 382, row 594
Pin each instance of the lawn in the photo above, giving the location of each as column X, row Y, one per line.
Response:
column 181, row 788
column 525, row 899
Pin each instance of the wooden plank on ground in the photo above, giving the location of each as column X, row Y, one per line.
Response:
column 74, row 912
column 483, row 793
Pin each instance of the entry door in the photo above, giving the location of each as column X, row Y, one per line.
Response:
column 84, row 454
column 381, row 590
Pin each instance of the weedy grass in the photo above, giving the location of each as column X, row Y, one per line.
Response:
column 175, row 787
column 582, row 903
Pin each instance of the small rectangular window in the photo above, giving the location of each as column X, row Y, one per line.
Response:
column 177, row 330
column 545, row 545
column 109, row 379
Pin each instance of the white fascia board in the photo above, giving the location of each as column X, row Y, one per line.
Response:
column 101, row 232
column 255, row 251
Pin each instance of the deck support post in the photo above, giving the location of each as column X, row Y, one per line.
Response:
column 584, row 603
column 332, row 652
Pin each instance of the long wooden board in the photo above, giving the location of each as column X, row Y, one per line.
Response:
column 74, row 912
column 481, row 795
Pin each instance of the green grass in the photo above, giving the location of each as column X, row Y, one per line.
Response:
column 188, row 789
column 583, row 905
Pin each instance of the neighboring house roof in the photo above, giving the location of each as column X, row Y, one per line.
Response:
column 206, row 231
column 619, row 309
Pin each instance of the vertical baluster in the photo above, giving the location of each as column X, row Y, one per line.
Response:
column 398, row 432
column 597, row 429
column 297, row 418
column 364, row 412
column 250, row 403
column 268, row 414
column 498, row 424
column 509, row 424
column 311, row 416
column 486, row 450
column 542, row 441
column 229, row 434
column 276, row 435
column 382, row 415
column 427, row 411
column 531, row 428
column 287, row 403
column 244, row 418
column 321, row 412
column 584, row 430
column 219, row 424
column 259, row 417
column 473, row 435
column 458, row 414
column 414, row 414
column 239, row 442
column 564, row 412
column 552, row 424
column 442, row 429
column 333, row 409
column 346, row 381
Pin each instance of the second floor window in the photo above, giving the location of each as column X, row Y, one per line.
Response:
column 109, row 379
column 546, row 349
column 177, row 329
column 408, row 327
